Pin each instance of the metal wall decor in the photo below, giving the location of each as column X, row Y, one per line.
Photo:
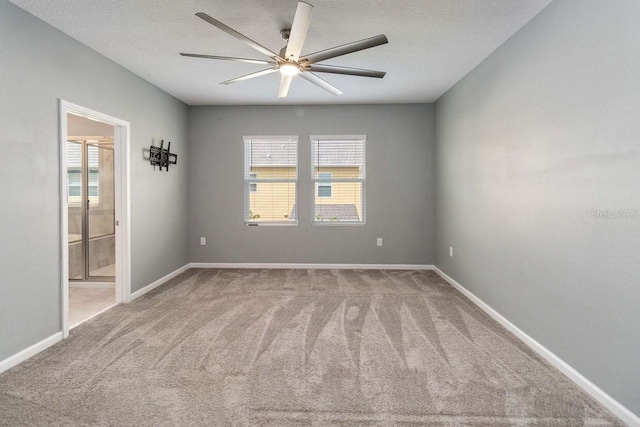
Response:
column 162, row 157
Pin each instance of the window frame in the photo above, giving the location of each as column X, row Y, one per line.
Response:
column 248, row 180
column 362, row 180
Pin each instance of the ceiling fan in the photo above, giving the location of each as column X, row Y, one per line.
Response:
column 289, row 62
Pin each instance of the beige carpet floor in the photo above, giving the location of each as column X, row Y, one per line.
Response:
column 294, row 348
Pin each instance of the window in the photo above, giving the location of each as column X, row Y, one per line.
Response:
column 270, row 179
column 74, row 185
column 338, row 179
column 324, row 184
column 74, row 173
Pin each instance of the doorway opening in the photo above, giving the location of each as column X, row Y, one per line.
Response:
column 95, row 235
column 91, row 217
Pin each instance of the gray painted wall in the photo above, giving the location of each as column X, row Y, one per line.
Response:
column 399, row 198
column 40, row 65
column 528, row 144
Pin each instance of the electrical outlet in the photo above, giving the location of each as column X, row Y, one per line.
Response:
column 450, row 251
column 203, row 241
column 379, row 241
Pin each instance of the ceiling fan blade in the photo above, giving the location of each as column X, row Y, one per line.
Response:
column 344, row 49
column 307, row 75
column 250, row 76
column 285, row 82
column 226, row 58
column 319, row 68
column 301, row 22
column 237, row 35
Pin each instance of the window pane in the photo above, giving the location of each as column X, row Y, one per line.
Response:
column 338, row 175
column 75, row 192
column 324, row 190
column 273, row 202
column 344, row 204
column 74, row 181
column 94, row 184
column 93, row 158
column 74, row 177
column 271, row 158
column 270, row 179
column 324, row 187
column 344, row 158
column 74, row 155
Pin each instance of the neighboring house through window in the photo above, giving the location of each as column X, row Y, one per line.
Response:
column 324, row 184
column 338, row 178
column 271, row 179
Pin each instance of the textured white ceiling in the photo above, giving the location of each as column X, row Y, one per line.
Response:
column 432, row 43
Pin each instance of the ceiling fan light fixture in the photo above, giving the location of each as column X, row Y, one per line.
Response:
column 289, row 69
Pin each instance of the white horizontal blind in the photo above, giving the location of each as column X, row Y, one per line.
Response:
column 338, row 178
column 270, row 179
column 74, row 173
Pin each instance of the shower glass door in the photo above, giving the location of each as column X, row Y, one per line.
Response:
column 100, row 212
column 90, row 196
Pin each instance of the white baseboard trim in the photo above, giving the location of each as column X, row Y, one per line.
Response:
column 312, row 266
column 28, row 352
column 593, row 390
column 158, row 282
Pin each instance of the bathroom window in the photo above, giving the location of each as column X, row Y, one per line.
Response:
column 74, row 173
